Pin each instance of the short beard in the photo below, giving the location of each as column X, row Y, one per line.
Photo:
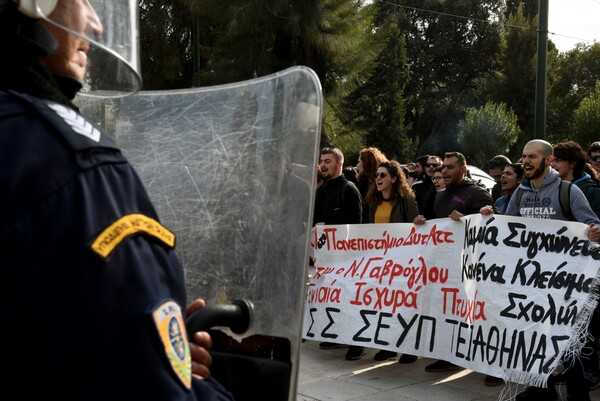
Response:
column 538, row 172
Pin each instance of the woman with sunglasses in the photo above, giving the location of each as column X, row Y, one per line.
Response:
column 391, row 200
column 512, row 175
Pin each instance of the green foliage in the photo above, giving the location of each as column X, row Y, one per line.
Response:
column 242, row 39
column 448, row 59
column 377, row 108
column 586, row 119
column 165, row 38
column 396, row 74
column 573, row 79
column 515, row 82
column 487, row 131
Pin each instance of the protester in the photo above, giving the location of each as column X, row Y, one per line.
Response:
column 411, row 166
column 391, row 200
column 420, row 165
column 438, row 179
column 368, row 160
column 510, row 180
column 570, row 162
column 320, row 178
column 496, row 169
column 90, row 313
column 461, row 197
column 540, row 198
column 337, row 201
column 424, row 189
column 351, row 174
column 594, row 155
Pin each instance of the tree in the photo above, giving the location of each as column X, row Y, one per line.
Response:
column 586, row 119
column 377, row 108
column 574, row 78
column 487, row 131
column 165, row 40
column 448, row 59
column 243, row 39
column 515, row 81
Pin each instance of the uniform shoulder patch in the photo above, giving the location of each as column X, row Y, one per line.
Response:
column 76, row 121
column 79, row 133
column 125, row 227
column 173, row 335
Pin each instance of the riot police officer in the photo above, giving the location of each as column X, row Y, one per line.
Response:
column 92, row 296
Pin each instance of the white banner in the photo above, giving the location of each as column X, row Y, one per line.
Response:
column 504, row 296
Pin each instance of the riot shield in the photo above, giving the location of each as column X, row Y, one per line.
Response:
column 231, row 170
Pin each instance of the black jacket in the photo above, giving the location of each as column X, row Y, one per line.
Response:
column 338, row 202
column 425, row 195
column 466, row 197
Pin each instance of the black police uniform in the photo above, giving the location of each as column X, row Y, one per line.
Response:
column 91, row 292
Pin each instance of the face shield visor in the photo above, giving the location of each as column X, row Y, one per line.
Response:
column 110, row 28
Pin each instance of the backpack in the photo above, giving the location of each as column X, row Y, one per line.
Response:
column 564, row 198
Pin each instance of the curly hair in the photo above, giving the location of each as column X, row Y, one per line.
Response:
column 571, row 151
column 400, row 188
column 371, row 158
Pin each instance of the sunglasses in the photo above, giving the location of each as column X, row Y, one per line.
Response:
column 381, row 175
column 595, row 158
column 428, row 165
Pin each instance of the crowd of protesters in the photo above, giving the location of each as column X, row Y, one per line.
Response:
column 433, row 186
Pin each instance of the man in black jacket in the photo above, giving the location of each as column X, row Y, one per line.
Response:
column 461, row 197
column 337, row 201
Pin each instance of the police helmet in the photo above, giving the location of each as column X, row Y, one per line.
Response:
column 113, row 67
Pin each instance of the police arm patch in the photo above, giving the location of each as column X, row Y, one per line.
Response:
column 171, row 329
column 127, row 226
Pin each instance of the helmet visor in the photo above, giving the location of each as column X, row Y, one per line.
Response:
column 110, row 55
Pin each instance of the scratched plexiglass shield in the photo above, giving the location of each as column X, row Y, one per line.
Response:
column 231, row 170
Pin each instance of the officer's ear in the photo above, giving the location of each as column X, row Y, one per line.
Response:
column 36, row 8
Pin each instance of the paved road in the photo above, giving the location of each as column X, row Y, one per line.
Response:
column 325, row 375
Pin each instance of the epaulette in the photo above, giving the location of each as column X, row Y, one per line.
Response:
column 78, row 132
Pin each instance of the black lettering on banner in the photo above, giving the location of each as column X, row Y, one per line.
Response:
column 381, row 325
column 513, row 349
column 312, row 322
column 419, row 331
column 559, row 279
column 479, row 271
column 513, row 227
column 509, row 350
column 485, row 234
column 530, row 311
column 555, row 347
column 405, row 328
column 363, row 314
column 324, row 333
column 556, row 243
column 460, row 340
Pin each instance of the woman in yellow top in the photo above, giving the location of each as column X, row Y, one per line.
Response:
column 391, row 200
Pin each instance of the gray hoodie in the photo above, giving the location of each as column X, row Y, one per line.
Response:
column 543, row 203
